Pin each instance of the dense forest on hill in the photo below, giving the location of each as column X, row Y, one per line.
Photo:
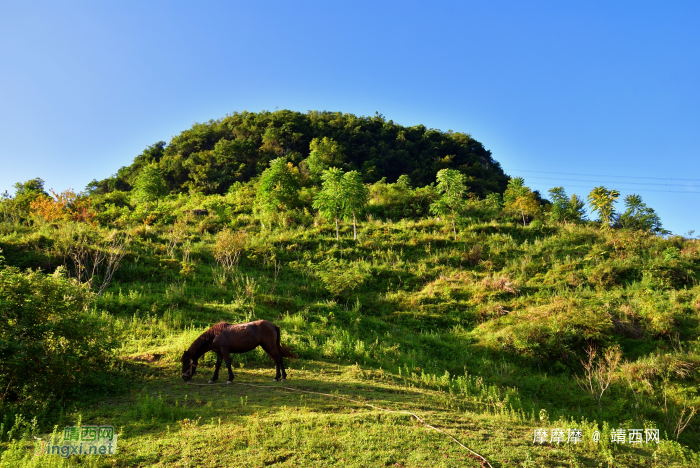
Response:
column 212, row 156
column 438, row 286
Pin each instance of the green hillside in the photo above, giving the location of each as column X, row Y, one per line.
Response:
column 507, row 322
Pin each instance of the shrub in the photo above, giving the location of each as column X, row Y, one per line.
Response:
column 65, row 205
column 50, row 345
column 339, row 276
column 228, row 248
column 94, row 255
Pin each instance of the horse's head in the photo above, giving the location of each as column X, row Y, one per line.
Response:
column 189, row 366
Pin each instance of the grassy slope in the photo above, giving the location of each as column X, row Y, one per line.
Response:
column 479, row 335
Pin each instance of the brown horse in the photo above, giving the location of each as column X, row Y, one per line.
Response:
column 224, row 338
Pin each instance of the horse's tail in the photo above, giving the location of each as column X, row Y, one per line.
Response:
column 286, row 352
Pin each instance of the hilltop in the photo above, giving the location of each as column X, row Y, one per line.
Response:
column 210, row 157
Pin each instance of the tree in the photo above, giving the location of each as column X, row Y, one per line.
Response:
column 451, row 184
column 25, row 194
column 149, row 185
column 602, row 200
column 30, row 186
column 278, row 189
column 487, row 208
column 565, row 209
column 7, row 206
column 325, row 153
column 520, row 198
column 355, row 197
column 404, row 182
column 329, row 201
column 639, row 216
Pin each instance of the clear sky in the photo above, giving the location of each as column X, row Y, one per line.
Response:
column 558, row 91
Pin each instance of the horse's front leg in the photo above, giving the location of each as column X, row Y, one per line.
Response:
column 227, row 360
column 219, row 358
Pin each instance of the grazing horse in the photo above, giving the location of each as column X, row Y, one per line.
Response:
column 224, row 338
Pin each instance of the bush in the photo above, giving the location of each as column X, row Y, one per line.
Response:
column 342, row 277
column 50, row 344
column 228, row 248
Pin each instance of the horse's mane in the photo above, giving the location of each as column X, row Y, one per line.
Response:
column 206, row 337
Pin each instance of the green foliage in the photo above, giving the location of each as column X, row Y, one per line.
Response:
column 278, row 189
column 330, row 201
column 340, row 276
column 30, row 186
column 18, row 207
column 400, row 200
column 451, row 184
column 149, row 185
column 639, row 216
column 489, row 208
column 404, row 182
column 603, row 201
column 565, row 209
column 325, row 153
column 355, row 197
column 341, row 195
column 50, row 345
column 211, row 156
column 520, row 199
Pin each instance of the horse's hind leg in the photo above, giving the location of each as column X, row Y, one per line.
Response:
column 227, row 360
column 281, row 365
column 219, row 358
column 278, row 360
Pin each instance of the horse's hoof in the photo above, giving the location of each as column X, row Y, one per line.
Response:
column 211, row 381
column 228, row 382
column 275, row 379
column 284, row 380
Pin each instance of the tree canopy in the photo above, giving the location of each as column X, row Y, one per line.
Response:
column 149, row 185
column 278, row 188
column 521, row 199
column 565, row 209
column 639, row 216
column 210, row 157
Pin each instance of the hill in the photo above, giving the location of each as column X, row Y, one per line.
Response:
column 521, row 317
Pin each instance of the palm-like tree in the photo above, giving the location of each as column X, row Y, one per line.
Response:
column 451, row 184
column 355, row 196
column 330, row 200
column 602, row 200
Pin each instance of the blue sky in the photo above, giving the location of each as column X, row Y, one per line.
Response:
column 556, row 90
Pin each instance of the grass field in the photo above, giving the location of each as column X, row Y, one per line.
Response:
column 164, row 422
